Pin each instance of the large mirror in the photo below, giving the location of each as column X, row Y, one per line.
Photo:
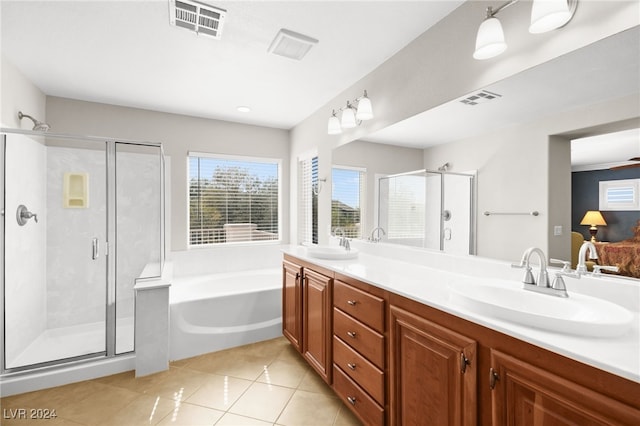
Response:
column 517, row 135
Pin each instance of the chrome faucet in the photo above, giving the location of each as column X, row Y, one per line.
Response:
column 378, row 229
column 344, row 242
column 543, row 276
column 582, row 256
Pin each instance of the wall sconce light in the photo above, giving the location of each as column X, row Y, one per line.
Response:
column 350, row 117
column 546, row 15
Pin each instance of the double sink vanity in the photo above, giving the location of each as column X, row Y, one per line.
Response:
column 408, row 336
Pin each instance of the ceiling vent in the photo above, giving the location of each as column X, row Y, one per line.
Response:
column 480, row 97
column 198, row 17
column 291, row 44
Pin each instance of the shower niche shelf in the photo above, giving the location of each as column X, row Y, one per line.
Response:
column 76, row 190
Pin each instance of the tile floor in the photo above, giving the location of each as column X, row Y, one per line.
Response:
column 265, row 383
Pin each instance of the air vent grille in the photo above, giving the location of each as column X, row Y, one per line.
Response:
column 291, row 44
column 480, row 97
column 197, row 17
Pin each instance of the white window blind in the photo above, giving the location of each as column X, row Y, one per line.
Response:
column 347, row 200
column 621, row 194
column 233, row 199
column 308, row 201
column 405, row 207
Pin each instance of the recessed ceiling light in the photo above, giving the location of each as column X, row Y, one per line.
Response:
column 243, row 108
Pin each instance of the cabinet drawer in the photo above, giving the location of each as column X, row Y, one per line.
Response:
column 366, row 307
column 360, row 337
column 367, row 375
column 357, row 399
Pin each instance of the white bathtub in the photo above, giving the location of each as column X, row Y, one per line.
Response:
column 218, row 311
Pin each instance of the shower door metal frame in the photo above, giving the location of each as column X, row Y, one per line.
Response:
column 110, row 312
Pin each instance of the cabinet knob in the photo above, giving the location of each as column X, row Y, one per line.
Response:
column 352, row 302
column 351, row 334
column 351, row 366
column 464, row 361
column 352, row 400
column 493, row 378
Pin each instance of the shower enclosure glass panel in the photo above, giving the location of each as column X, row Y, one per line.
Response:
column 139, row 219
column 55, row 270
column 430, row 209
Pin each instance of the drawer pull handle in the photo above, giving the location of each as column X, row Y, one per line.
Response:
column 352, row 302
column 351, row 366
column 351, row 334
column 352, row 400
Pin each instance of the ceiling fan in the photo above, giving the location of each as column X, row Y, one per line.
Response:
column 628, row 166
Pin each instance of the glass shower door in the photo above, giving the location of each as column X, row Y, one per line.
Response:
column 55, row 264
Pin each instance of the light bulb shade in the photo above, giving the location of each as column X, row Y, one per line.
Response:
column 593, row 218
column 333, row 126
column 365, row 111
column 348, row 119
column 547, row 15
column 490, row 39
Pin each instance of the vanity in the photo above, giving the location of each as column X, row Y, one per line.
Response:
column 394, row 333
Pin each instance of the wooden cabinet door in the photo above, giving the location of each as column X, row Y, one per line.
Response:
column 433, row 373
column 523, row 394
column 317, row 322
column 292, row 303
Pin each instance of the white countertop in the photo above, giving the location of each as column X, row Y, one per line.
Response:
column 410, row 278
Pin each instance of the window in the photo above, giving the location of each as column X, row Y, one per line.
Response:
column 347, row 195
column 620, row 194
column 308, row 200
column 233, row 199
column 402, row 207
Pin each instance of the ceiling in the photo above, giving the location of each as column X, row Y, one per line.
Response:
column 605, row 70
column 126, row 53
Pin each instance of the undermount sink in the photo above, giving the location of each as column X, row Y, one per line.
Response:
column 332, row 252
column 577, row 315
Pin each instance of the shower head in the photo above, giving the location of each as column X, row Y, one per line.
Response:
column 37, row 125
column 444, row 167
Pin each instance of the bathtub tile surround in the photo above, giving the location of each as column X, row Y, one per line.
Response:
column 276, row 388
column 152, row 325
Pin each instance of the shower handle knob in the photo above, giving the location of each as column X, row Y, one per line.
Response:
column 23, row 215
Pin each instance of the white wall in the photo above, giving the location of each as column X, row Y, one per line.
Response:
column 25, row 262
column 438, row 67
column 519, row 170
column 179, row 135
column 18, row 94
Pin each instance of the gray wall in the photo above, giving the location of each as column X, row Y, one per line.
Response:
column 179, row 135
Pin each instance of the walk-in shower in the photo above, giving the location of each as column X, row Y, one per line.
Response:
column 431, row 209
column 82, row 218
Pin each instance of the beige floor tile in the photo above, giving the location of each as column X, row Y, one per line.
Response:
column 53, row 398
column 283, row 373
column 308, row 408
column 97, row 406
column 233, row 364
column 346, row 418
column 235, row 420
column 144, row 410
column 56, row 421
column 290, row 354
column 185, row 414
column 178, row 385
column 219, row 392
column 262, row 401
column 313, row 383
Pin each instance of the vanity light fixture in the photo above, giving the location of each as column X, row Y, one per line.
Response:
column 352, row 115
column 546, row 15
